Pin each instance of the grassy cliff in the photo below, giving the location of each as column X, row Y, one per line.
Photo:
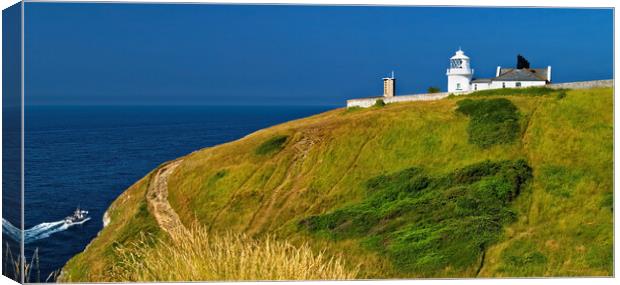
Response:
column 497, row 183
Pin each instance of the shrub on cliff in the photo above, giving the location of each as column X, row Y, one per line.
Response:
column 379, row 103
column 425, row 224
column 492, row 121
column 272, row 145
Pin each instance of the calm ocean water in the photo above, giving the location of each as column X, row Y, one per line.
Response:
column 87, row 156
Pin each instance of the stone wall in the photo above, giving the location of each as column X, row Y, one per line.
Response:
column 369, row 102
column 583, row 84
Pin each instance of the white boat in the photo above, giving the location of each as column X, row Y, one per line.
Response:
column 78, row 216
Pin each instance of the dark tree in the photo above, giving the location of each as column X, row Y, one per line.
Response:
column 522, row 62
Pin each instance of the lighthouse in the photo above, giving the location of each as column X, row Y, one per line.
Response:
column 460, row 73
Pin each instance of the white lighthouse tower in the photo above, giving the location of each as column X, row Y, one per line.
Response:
column 459, row 74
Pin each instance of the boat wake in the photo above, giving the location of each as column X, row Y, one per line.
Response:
column 40, row 231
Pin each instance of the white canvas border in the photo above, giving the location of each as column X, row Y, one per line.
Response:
column 477, row 3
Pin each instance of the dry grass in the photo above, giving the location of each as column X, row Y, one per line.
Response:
column 13, row 267
column 197, row 255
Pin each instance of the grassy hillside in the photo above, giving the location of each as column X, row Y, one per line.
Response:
column 497, row 183
column 130, row 221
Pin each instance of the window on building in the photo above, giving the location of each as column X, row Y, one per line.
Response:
column 503, row 84
column 458, row 86
column 456, row 63
column 518, row 84
column 475, row 86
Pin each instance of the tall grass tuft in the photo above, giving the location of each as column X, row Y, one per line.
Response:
column 13, row 267
column 196, row 255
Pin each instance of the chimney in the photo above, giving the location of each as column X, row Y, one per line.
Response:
column 549, row 73
column 498, row 70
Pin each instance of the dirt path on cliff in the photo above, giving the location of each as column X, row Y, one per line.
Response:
column 157, row 199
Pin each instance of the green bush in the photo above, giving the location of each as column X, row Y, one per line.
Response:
column 424, row 223
column 433, row 89
column 274, row 144
column 493, row 121
column 379, row 103
column 561, row 95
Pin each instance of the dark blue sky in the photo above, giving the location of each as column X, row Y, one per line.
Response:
column 248, row 55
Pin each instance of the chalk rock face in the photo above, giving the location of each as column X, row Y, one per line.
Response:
column 106, row 219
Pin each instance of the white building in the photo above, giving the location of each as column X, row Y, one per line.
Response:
column 460, row 76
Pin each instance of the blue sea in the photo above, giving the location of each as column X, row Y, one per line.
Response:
column 87, row 155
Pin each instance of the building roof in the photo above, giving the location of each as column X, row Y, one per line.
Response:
column 482, row 80
column 459, row 55
column 525, row 74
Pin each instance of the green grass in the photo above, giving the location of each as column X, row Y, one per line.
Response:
column 493, row 121
column 524, row 258
column 561, row 95
column 567, row 218
column 424, row 223
column 324, row 166
column 272, row 145
column 529, row 91
column 559, row 180
column 352, row 109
